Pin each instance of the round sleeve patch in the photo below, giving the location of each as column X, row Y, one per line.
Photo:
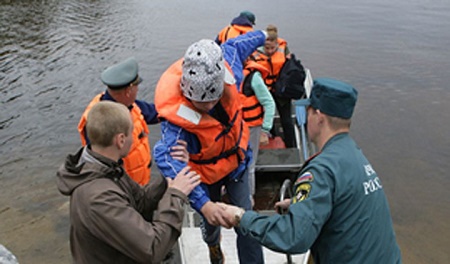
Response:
column 303, row 187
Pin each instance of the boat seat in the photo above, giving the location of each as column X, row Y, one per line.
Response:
column 279, row 160
column 275, row 157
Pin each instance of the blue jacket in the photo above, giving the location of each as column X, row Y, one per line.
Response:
column 235, row 52
column 339, row 211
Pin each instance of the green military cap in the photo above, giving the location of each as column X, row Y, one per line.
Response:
column 122, row 74
column 249, row 15
column 332, row 97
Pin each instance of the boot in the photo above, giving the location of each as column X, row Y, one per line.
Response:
column 216, row 254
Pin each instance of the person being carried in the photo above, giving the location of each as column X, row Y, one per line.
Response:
column 258, row 109
column 122, row 81
column 198, row 99
column 239, row 25
column 272, row 56
column 339, row 209
column 112, row 218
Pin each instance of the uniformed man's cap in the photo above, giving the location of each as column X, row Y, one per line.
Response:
column 332, row 97
column 122, row 74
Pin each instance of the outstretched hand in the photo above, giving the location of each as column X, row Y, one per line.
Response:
column 215, row 214
column 232, row 214
column 185, row 181
column 179, row 152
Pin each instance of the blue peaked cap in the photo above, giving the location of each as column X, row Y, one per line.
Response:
column 332, row 97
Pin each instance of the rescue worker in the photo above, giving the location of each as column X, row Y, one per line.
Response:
column 339, row 209
column 272, row 56
column 198, row 99
column 122, row 81
column 258, row 109
column 239, row 25
column 112, row 218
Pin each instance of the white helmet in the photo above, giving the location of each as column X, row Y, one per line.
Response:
column 203, row 72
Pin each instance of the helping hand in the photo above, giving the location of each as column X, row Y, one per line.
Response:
column 232, row 214
column 215, row 214
column 185, row 181
column 179, row 152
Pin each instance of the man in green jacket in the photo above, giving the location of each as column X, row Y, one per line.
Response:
column 339, row 209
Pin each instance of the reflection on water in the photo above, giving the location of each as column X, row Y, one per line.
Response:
column 396, row 54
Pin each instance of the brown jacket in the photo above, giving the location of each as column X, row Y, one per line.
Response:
column 113, row 219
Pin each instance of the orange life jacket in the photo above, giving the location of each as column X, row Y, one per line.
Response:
column 275, row 63
column 222, row 146
column 232, row 31
column 252, row 110
column 138, row 161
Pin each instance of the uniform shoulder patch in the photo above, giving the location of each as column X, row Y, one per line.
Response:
column 303, row 186
column 302, row 192
column 305, row 177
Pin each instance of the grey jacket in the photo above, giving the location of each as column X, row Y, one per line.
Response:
column 113, row 219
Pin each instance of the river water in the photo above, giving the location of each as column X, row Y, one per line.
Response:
column 396, row 53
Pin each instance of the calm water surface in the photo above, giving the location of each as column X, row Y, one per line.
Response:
column 395, row 52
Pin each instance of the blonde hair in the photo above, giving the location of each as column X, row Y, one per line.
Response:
column 272, row 32
column 105, row 120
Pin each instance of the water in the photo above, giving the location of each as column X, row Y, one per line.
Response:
column 395, row 52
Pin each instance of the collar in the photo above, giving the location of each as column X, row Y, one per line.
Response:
column 107, row 96
column 334, row 138
column 117, row 170
column 104, row 160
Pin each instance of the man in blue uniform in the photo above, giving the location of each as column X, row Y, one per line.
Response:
column 339, row 209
